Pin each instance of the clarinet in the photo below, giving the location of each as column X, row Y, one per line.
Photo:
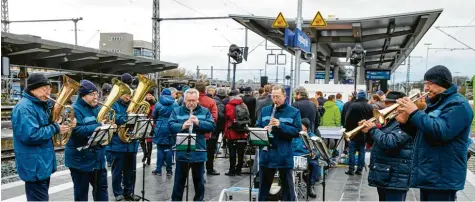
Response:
column 191, row 127
column 272, row 116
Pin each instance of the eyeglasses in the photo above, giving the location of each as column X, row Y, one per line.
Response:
column 93, row 94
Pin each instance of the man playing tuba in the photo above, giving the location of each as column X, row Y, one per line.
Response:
column 87, row 165
column 32, row 137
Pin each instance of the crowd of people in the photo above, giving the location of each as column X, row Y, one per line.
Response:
column 424, row 148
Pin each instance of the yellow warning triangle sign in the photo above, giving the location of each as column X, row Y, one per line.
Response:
column 280, row 22
column 318, row 21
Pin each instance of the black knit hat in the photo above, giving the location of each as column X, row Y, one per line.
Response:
column 439, row 75
column 127, row 79
column 86, row 87
column 394, row 95
column 36, row 80
column 306, row 123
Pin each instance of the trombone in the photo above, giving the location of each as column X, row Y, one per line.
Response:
column 386, row 114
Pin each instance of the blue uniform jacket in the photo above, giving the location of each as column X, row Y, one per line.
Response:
column 390, row 157
column 161, row 114
column 32, row 138
column 206, row 125
column 89, row 159
column 116, row 145
column 279, row 154
column 298, row 146
column 440, row 145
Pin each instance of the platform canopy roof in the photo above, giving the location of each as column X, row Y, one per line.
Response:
column 387, row 39
column 33, row 51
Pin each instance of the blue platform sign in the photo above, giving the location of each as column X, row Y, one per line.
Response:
column 302, row 41
column 321, row 75
column 289, row 38
column 378, row 75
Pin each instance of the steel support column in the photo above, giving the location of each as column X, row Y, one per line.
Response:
column 313, row 63
column 336, row 69
column 327, row 69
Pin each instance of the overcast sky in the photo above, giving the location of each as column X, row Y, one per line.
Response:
column 190, row 43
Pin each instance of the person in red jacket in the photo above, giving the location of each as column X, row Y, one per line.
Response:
column 236, row 140
column 147, row 145
column 210, row 104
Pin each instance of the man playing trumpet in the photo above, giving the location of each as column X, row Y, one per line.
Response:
column 390, row 161
column 441, row 133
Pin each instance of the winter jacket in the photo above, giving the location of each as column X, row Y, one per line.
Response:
column 321, row 101
column 251, row 103
column 441, row 142
column 161, row 114
column 298, row 147
column 340, row 105
column 32, row 138
column 307, row 110
column 209, row 103
column 332, row 114
column 150, row 116
column 89, row 159
column 261, row 104
column 390, row 160
column 221, row 117
column 346, row 106
column 230, row 117
column 279, row 153
column 358, row 111
column 116, row 145
column 206, row 124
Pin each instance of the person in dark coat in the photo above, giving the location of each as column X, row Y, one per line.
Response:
column 147, row 144
column 124, row 155
column 285, row 125
column 261, row 103
column 33, row 131
column 346, row 106
column 180, row 122
column 250, row 102
column 390, row 161
column 441, row 133
column 321, row 100
column 211, row 144
column 306, row 107
column 163, row 138
column 87, row 165
column 360, row 110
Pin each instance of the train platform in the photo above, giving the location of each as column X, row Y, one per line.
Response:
column 340, row 187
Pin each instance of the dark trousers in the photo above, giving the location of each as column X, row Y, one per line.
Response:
column 438, row 195
column 123, row 173
column 147, row 151
column 181, row 172
column 236, row 148
column 82, row 180
column 360, row 148
column 164, row 155
column 37, row 190
column 391, row 194
column 108, row 157
column 211, row 151
column 314, row 172
column 266, row 176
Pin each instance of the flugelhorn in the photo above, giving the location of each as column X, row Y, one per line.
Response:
column 386, row 114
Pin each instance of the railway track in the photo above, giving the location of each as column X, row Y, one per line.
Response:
column 8, row 154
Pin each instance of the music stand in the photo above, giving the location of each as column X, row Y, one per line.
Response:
column 310, row 148
column 98, row 139
column 322, row 149
column 142, row 128
column 188, row 146
column 256, row 137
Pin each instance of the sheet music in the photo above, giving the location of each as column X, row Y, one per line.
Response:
column 99, row 137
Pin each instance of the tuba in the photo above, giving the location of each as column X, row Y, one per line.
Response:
column 138, row 105
column 387, row 113
column 106, row 112
column 63, row 111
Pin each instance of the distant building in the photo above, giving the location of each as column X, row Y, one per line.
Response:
column 124, row 43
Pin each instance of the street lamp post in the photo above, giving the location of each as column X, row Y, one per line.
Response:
column 427, row 54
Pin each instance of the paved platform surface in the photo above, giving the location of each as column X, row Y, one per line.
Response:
column 340, row 187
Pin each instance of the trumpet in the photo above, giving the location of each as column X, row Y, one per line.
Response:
column 387, row 114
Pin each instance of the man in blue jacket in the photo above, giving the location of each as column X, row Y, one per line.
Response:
column 285, row 125
column 441, row 137
column 162, row 137
column 202, row 122
column 124, row 155
column 299, row 149
column 390, row 161
column 32, row 137
column 86, row 165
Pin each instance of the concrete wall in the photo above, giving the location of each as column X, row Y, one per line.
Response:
column 117, row 43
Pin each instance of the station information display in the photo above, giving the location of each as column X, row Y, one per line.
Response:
column 321, row 74
column 378, row 75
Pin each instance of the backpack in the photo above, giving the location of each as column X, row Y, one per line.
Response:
column 241, row 118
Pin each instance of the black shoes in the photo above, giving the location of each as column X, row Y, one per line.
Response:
column 212, row 172
column 358, row 172
column 230, row 173
column 132, row 197
column 312, row 192
column 349, row 173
